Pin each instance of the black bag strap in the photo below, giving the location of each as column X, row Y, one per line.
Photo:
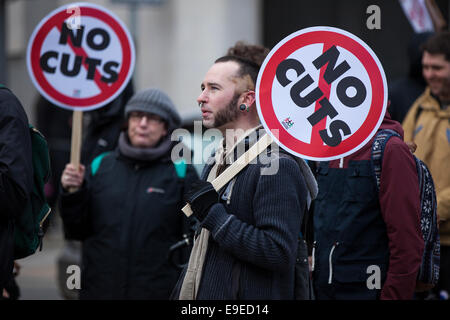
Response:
column 418, row 112
column 377, row 152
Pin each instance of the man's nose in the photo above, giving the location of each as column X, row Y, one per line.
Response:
column 428, row 73
column 201, row 99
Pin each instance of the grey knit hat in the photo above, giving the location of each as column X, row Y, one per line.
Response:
column 157, row 102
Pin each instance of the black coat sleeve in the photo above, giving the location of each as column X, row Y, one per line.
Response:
column 191, row 177
column 75, row 212
column 16, row 171
column 188, row 224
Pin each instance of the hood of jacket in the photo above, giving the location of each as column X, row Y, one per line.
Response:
column 389, row 123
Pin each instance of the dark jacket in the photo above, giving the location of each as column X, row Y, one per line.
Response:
column 15, row 174
column 128, row 215
column 253, row 239
column 405, row 90
column 356, row 227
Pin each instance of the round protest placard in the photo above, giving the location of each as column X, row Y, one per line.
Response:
column 80, row 56
column 321, row 93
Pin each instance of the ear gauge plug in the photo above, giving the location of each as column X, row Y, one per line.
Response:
column 243, row 107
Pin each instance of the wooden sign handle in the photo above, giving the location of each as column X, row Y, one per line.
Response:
column 75, row 148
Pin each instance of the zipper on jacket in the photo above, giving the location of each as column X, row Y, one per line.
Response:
column 330, row 261
column 128, row 227
column 229, row 191
column 41, row 228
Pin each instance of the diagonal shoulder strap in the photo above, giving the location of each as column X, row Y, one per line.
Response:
column 95, row 165
column 237, row 166
column 378, row 145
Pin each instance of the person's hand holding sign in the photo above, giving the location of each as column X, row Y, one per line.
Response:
column 72, row 179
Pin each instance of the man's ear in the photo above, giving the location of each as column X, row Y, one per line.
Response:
column 249, row 98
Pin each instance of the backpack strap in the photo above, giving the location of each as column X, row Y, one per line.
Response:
column 418, row 112
column 97, row 161
column 180, row 168
column 378, row 145
column 180, row 165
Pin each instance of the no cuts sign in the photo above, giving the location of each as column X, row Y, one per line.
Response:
column 80, row 56
column 323, row 91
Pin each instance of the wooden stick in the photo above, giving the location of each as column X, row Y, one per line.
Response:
column 75, row 148
column 438, row 20
column 236, row 167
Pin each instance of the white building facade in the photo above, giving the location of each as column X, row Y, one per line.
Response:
column 176, row 42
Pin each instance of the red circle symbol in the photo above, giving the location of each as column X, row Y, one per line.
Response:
column 106, row 91
column 316, row 149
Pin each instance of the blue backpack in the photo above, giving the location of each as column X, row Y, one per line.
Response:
column 428, row 274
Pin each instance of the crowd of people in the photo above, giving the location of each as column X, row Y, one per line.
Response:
column 124, row 202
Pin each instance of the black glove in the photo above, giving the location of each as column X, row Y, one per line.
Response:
column 201, row 197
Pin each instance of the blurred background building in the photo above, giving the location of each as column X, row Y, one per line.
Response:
column 177, row 40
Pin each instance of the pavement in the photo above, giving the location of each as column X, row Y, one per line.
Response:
column 38, row 277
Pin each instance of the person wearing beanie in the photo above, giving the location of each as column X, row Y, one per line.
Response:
column 126, row 207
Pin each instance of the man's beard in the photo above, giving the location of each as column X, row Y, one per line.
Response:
column 228, row 114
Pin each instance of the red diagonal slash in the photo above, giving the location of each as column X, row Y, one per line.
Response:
column 79, row 51
column 107, row 91
column 325, row 88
